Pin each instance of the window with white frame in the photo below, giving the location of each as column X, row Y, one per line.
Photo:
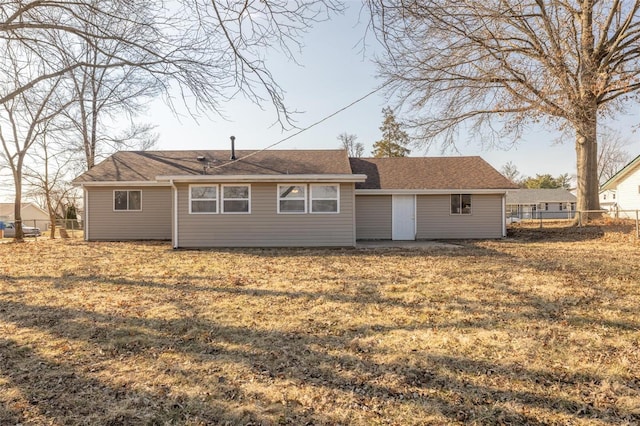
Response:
column 127, row 200
column 236, row 199
column 203, row 199
column 325, row 198
column 292, row 198
column 460, row 203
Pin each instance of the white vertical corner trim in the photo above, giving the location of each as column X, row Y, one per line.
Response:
column 86, row 213
column 504, row 215
column 353, row 212
column 174, row 231
column 415, row 216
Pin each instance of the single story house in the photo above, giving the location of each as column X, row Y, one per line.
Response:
column 31, row 215
column 545, row 203
column 624, row 187
column 289, row 198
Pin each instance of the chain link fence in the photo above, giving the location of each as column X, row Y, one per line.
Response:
column 582, row 218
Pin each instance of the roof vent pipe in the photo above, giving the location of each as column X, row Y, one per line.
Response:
column 233, row 147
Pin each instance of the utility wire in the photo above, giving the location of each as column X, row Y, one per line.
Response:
column 322, row 120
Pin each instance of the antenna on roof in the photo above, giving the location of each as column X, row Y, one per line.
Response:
column 233, row 147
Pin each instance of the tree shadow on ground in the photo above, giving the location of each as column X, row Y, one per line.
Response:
column 57, row 391
column 66, row 391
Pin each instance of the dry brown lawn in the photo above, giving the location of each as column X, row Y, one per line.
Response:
column 539, row 328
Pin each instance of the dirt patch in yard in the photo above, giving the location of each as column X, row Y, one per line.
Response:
column 525, row 330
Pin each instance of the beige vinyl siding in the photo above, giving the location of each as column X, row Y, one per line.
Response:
column 152, row 223
column 434, row 218
column 373, row 217
column 264, row 227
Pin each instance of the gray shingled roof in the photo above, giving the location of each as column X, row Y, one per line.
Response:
column 428, row 173
column 534, row 196
column 382, row 173
column 130, row 166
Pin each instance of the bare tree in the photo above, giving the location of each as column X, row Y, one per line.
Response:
column 511, row 172
column 105, row 96
column 23, row 120
column 200, row 50
column 348, row 143
column 509, row 63
column 49, row 174
column 611, row 154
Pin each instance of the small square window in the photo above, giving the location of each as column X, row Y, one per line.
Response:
column 126, row 200
column 292, row 198
column 325, row 198
column 203, row 199
column 236, row 199
column 460, row 203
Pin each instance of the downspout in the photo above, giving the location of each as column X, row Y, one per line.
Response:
column 504, row 215
column 86, row 213
column 174, row 230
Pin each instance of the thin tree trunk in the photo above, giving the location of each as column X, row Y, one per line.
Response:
column 17, row 203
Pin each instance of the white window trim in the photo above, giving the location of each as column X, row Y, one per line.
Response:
column 113, row 200
column 217, row 199
column 222, row 199
column 461, row 213
column 306, row 192
column 311, row 199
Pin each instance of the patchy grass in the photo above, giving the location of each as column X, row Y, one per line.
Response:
column 520, row 331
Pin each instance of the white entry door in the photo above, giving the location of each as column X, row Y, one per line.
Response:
column 403, row 213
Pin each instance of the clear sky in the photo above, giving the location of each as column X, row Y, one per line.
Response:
column 333, row 73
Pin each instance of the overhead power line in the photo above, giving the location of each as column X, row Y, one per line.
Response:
column 322, row 120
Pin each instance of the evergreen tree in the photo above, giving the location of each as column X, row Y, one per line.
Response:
column 547, row 181
column 394, row 139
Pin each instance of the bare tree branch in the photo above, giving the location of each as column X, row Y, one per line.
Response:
column 497, row 66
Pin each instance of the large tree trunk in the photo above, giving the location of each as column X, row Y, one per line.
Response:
column 587, row 165
column 586, row 118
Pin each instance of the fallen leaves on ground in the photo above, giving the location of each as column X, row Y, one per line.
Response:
column 539, row 328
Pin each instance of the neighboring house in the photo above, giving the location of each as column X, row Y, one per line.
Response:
column 625, row 186
column 557, row 203
column 289, row 198
column 608, row 200
column 31, row 215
